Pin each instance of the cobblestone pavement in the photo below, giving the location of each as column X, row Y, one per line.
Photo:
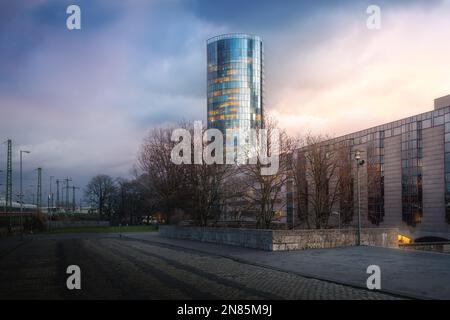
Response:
column 122, row 268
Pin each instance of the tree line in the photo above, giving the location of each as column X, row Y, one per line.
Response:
column 316, row 173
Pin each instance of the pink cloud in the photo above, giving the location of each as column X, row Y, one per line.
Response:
column 354, row 78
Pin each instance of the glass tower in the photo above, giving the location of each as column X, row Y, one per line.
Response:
column 235, row 81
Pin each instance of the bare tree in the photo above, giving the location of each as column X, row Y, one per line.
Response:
column 346, row 184
column 204, row 184
column 102, row 193
column 300, row 188
column 322, row 170
column 133, row 201
column 149, row 198
column 264, row 192
column 160, row 175
column 197, row 190
column 233, row 204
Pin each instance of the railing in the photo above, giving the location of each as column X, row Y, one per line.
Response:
column 443, row 247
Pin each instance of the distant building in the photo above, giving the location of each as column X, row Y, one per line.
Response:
column 410, row 162
column 235, row 81
column 16, row 206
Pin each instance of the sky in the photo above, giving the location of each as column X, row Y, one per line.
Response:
column 82, row 100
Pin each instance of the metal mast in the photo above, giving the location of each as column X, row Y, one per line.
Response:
column 73, row 198
column 8, row 195
column 67, row 192
column 39, row 190
column 57, row 193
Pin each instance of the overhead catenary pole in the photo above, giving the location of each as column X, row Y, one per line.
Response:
column 57, row 193
column 39, row 190
column 50, row 195
column 21, row 195
column 8, row 194
column 73, row 198
column 8, row 186
column 67, row 192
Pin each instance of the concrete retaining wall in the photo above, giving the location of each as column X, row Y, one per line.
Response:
column 331, row 238
column 279, row 240
column 250, row 238
column 443, row 247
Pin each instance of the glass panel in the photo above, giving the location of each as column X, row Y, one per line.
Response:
column 438, row 120
column 447, row 127
column 426, row 123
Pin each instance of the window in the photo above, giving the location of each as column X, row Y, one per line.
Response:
column 375, row 180
column 412, row 174
column 426, row 124
column 438, row 121
column 447, row 147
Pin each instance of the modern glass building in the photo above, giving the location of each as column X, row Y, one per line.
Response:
column 405, row 181
column 235, row 81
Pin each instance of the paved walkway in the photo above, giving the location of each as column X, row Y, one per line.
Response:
column 414, row 274
column 143, row 267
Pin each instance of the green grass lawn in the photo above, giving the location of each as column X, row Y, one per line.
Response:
column 143, row 228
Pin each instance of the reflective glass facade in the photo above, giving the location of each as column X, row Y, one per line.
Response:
column 411, row 132
column 375, row 178
column 447, row 166
column 412, row 153
column 235, row 81
column 346, row 183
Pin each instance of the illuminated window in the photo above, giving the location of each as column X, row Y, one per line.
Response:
column 235, row 81
column 404, row 239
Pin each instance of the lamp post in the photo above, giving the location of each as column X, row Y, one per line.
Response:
column 50, row 197
column 21, row 195
column 359, row 163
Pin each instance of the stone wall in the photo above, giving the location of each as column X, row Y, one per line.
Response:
column 279, row 240
column 331, row 238
column 250, row 238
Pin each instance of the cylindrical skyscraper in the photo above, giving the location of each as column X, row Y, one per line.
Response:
column 235, row 81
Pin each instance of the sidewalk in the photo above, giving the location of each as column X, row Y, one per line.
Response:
column 8, row 244
column 413, row 274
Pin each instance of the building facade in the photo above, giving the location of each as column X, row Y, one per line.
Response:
column 405, row 181
column 235, row 81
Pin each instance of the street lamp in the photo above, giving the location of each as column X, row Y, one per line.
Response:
column 359, row 163
column 21, row 195
column 50, row 197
